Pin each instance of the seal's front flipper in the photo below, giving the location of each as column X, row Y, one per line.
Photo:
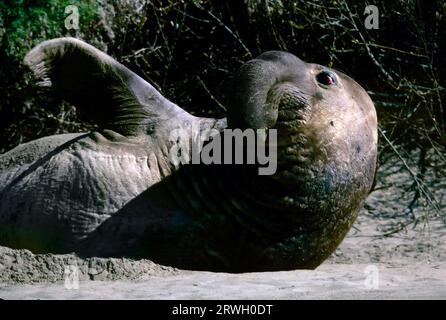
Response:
column 102, row 88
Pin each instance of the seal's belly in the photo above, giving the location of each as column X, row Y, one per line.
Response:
column 52, row 203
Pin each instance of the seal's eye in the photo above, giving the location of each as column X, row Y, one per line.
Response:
column 326, row 78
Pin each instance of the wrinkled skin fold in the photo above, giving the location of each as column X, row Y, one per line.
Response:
column 114, row 192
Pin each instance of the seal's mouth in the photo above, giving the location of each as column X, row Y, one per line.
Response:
column 296, row 145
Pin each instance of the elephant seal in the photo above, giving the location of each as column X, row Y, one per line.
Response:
column 114, row 192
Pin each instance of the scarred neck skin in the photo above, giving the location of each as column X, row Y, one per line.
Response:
column 241, row 221
column 229, row 218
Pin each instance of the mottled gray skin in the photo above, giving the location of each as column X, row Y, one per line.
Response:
column 114, row 192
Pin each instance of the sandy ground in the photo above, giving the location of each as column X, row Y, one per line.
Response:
column 373, row 262
column 330, row 281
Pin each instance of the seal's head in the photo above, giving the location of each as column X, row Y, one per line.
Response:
column 327, row 143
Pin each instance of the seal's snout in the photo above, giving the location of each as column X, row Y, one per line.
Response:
column 294, row 108
column 265, row 85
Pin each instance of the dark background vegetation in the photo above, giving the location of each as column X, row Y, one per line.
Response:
column 190, row 49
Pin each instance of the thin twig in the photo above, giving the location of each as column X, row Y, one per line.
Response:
column 222, row 107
